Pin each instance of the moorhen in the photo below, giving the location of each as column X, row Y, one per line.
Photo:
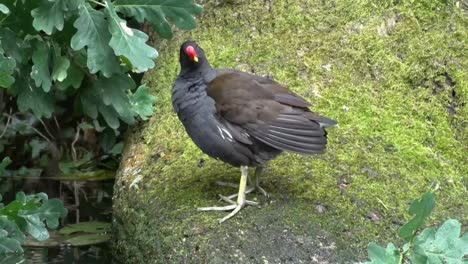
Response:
column 242, row 119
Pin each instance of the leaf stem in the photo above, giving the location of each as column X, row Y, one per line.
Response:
column 6, row 125
column 97, row 3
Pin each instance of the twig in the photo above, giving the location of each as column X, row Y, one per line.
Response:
column 77, row 136
column 46, row 129
column 33, row 128
column 57, row 124
column 7, row 124
column 77, row 201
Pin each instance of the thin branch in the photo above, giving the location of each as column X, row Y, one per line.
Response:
column 77, row 201
column 77, row 136
column 46, row 129
column 6, row 126
column 57, row 124
column 33, row 128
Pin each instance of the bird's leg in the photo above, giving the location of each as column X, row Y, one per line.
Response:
column 258, row 172
column 234, row 206
column 253, row 187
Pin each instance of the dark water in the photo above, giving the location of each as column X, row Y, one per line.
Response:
column 85, row 201
column 63, row 254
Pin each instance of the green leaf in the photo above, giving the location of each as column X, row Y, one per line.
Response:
column 380, row 255
column 4, row 9
column 51, row 14
column 107, row 96
column 12, row 45
column 30, row 97
column 37, row 146
column 117, row 149
column 61, row 65
column 11, row 228
column 30, row 211
column 421, row 209
column 85, row 126
column 92, row 227
column 89, row 98
column 13, row 258
column 107, row 139
column 114, row 94
column 93, row 33
column 9, row 245
column 88, row 239
column 160, row 12
column 40, row 70
column 143, row 102
column 74, row 78
column 74, row 164
column 20, row 19
column 23, row 126
column 110, row 116
column 129, row 42
column 7, row 67
column 5, row 162
column 35, row 227
column 442, row 246
column 50, row 212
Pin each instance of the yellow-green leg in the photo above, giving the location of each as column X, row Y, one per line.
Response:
column 234, row 206
column 253, row 187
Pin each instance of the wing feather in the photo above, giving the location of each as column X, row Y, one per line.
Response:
column 268, row 112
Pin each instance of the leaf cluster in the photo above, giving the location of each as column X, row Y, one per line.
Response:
column 69, row 72
column 442, row 245
column 28, row 214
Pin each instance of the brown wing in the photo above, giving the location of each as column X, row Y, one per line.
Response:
column 269, row 112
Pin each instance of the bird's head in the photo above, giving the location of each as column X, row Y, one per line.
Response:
column 191, row 55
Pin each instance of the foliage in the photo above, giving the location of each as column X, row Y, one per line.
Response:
column 69, row 75
column 443, row 245
column 86, row 233
column 28, row 214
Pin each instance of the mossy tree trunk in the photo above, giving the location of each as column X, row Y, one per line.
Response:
column 395, row 78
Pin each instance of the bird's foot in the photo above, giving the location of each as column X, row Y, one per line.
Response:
column 234, row 206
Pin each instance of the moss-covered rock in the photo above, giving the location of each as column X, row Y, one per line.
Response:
column 393, row 75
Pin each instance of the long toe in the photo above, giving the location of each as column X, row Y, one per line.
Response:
column 234, row 207
column 231, row 214
column 262, row 191
column 218, row 208
column 228, row 184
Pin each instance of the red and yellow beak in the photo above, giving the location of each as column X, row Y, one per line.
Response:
column 192, row 53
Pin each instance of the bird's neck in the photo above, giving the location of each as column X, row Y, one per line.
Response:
column 190, row 98
column 203, row 72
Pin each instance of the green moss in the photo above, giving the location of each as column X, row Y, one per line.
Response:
column 388, row 73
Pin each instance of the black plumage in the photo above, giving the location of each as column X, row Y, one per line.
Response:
column 240, row 118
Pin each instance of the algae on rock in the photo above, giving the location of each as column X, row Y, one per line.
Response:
column 395, row 78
